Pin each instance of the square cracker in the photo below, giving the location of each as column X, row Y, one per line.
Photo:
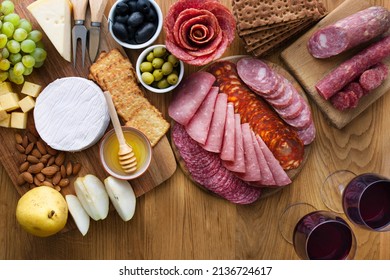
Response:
column 114, row 73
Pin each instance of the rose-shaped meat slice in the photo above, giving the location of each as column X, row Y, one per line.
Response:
column 198, row 31
column 198, row 19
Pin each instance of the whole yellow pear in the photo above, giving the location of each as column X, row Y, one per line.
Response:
column 42, row 211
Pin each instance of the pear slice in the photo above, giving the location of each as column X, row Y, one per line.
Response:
column 80, row 216
column 122, row 197
column 93, row 196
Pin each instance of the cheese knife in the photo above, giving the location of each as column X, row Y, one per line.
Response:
column 79, row 30
column 97, row 9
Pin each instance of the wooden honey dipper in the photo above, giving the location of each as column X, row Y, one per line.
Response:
column 127, row 159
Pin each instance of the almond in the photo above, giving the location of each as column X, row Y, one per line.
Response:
column 27, row 177
column 46, row 183
column 57, row 188
column 51, row 151
column 63, row 183
column 51, row 161
column 40, row 177
column 36, row 168
column 24, row 166
column 57, row 178
column 31, row 137
column 69, row 168
column 63, row 171
column 32, row 159
column 50, row 170
column 36, row 181
column 76, row 168
column 18, row 138
column 36, row 153
column 29, row 148
column 20, row 180
column 60, row 158
column 20, row 148
column 41, row 147
column 25, row 141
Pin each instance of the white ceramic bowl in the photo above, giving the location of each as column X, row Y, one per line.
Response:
column 136, row 46
column 108, row 152
column 142, row 57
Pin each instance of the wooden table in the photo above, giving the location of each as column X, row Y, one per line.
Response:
column 177, row 220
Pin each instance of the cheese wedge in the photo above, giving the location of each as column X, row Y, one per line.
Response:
column 54, row 17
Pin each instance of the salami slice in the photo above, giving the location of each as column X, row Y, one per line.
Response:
column 213, row 176
column 215, row 136
column 188, row 97
column 266, row 175
column 308, row 134
column 303, row 120
column 257, row 75
column 238, row 165
column 280, row 176
column 228, row 145
column 293, row 110
column 252, row 172
column 352, row 68
column 285, row 99
column 199, row 126
column 374, row 77
column 349, row 32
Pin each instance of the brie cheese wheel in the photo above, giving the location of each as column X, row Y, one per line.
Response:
column 54, row 17
column 71, row 114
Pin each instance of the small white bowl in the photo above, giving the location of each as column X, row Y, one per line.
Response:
column 136, row 46
column 109, row 147
column 141, row 59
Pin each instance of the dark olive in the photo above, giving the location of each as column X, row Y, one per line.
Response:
column 131, row 32
column 143, row 6
column 121, row 8
column 132, row 5
column 145, row 32
column 135, row 19
column 120, row 31
column 121, row 18
column 151, row 15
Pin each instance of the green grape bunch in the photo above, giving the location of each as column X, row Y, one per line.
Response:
column 21, row 48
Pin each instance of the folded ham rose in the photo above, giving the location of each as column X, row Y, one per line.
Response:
column 198, row 31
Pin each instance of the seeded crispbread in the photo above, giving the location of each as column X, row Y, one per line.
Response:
column 115, row 73
column 265, row 25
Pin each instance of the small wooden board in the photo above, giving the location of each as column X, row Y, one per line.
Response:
column 309, row 70
column 291, row 173
column 163, row 163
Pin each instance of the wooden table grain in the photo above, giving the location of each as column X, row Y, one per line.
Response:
column 177, row 220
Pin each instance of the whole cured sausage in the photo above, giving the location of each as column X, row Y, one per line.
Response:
column 281, row 139
column 349, row 32
column 352, row 68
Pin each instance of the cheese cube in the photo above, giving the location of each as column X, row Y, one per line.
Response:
column 3, row 114
column 6, row 122
column 9, row 101
column 27, row 104
column 19, row 120
column 31, row 89
column 5, row 87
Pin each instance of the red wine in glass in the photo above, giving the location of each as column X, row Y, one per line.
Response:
column 366, row 201
column 321, row 235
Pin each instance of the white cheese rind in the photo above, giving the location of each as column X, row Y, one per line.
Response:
column 71, row 114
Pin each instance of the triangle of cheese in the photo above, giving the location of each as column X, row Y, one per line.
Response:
column 54, row 17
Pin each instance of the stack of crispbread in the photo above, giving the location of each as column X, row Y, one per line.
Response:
column 114, row 73
column 267, row 24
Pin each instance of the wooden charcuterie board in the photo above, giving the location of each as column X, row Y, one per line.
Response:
column 309, row 70
column 291, row 173
column 163, row 163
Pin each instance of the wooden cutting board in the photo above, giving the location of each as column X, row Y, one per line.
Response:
column 309, row 70
column 163, row 163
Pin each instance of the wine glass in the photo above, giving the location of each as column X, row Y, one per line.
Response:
column 316, row 234
column 364, row 198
